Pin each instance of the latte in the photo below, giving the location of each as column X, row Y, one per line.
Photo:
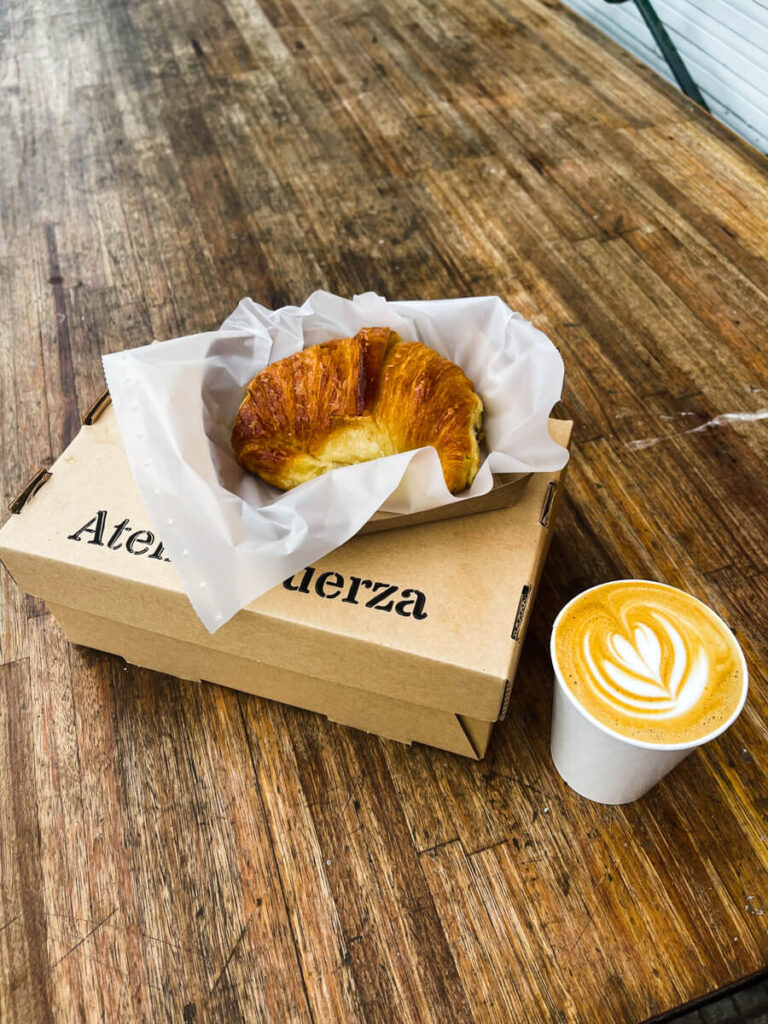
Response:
column 649, row 661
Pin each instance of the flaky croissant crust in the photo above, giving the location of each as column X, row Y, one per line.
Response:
column 354, row 399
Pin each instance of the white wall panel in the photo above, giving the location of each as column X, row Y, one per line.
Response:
column 724, row 44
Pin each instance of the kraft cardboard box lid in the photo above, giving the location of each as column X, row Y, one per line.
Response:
column 430, row 614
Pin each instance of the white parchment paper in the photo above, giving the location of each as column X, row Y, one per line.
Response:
column 232, row 537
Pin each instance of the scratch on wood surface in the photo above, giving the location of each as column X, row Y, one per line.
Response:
column 135, row 983
column 439, row 846
column 491, row 846
column 175, row 946
column 516, row 781
column 81, row 941
column 232, row 952
column 9, row 923
column 580, row 936
column 718, row 421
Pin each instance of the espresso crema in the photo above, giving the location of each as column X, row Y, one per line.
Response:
column 649, row 661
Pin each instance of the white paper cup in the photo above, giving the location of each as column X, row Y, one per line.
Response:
column 598, row 762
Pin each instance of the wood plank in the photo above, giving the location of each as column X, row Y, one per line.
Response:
column 399, row 954
column 218, row 937
column 323, row 951
column 25, row 992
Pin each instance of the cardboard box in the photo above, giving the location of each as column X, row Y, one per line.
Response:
column 507, row 490
column 414, row 633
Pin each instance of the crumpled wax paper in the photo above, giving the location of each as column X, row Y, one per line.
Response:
column 231, row 536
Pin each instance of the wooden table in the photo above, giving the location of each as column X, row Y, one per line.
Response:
column 171, row 851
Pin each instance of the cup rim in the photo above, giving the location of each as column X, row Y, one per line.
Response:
column 630, row 740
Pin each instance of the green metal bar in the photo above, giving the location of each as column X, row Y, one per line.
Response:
column 669, row 50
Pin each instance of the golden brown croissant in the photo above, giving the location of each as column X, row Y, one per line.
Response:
column 355, row 399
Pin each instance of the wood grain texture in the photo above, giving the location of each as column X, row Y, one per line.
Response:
column 170, row 851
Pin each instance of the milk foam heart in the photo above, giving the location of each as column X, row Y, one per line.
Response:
column 649, row 661
column 649, row 673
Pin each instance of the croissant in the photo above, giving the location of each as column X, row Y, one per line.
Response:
column 354, row 399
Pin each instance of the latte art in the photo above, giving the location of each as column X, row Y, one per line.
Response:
column 649, row 661
column 649, row 674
